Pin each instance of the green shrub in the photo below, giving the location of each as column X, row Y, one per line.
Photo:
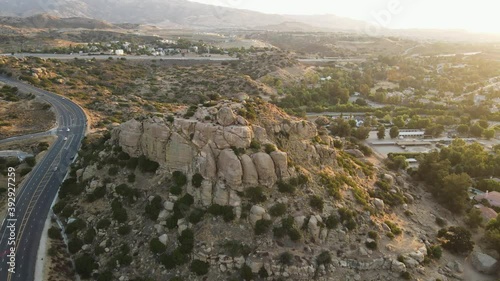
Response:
column 285, row 187
column 279, row 232
column 98, row 193
column 75, row 225
column 84, row 265
column 105, row 276
column 186, row 200
column 124, row 230
column 153, row 208
column 55, row 233
column 113, row 171
column 255, row 144
column 31, row 161
column 324, row 258
column 103, row 224
column 179, row 178
column 74, row 245
column 263, row 272
column 199, row 267
column 186, row 239
column 269, row 147
column 371, row 245
column 146, row 165
column 435, row 252
column 262, row 226
column 24, row 171
column 197, row 180
column 373, row 235
column 225, row 211
column 316, row 202
column 131, row 178
column 256, row 194
column 176, row 190
column 331, row 221
column 120, row 215
column 59, row 206
column 406, row 275
column 89, row 236
column 196, row 216
column 285, row 258
column 156, row 246
column 246, row 273
column 394, row 228
column 278, row 209
column 132, row 163
column 235, row 248
column 294, row 234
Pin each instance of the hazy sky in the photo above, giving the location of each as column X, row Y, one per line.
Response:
column 476, row 15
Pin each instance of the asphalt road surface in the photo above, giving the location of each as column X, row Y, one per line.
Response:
column 38, row 190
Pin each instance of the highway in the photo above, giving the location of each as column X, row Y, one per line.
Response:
column 38, row 190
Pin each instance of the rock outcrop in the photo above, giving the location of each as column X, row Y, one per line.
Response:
column 483, row 262
column 224, row 151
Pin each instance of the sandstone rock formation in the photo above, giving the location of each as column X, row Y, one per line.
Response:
column 221, row 151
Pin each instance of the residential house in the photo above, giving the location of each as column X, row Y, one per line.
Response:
column 486, row 212
column 492, row 197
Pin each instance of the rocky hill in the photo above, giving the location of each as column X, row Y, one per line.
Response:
column 241, row 191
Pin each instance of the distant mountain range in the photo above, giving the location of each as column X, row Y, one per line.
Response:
column 174, row 13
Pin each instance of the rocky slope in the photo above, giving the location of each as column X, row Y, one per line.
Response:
column 243, row 191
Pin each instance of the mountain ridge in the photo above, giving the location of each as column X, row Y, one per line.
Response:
column 182, row 13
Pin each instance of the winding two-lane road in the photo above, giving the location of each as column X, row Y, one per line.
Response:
column 38, row 190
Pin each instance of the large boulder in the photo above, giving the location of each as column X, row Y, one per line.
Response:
column 313, row 227
column 129, row 137
column 256, row 213
column 250, row 175
column 484, row 263
column 221, row 194
column 89, row 172
column 229, row 168
column 207, row 164
column 265, row 168
column 379, row 204
column 280, row 160
column 397, row 266
column 206, row 193
column 154, row 140
column 238, row 136
column 179, row 153
column 226, row 116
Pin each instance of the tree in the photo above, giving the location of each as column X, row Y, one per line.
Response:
column 199, row 267
column 361, row 102
column 381, row 132
column 394, row 132
column 84, row 265
column 474, row 218
column 361, row 133
column 476, row 130
column 489, row 133
column 399, row 122
column 454, row 193
column 456, row 239
column 463, row 129
column 493, row 233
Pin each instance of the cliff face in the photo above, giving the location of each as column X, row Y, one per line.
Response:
column 225, row 149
